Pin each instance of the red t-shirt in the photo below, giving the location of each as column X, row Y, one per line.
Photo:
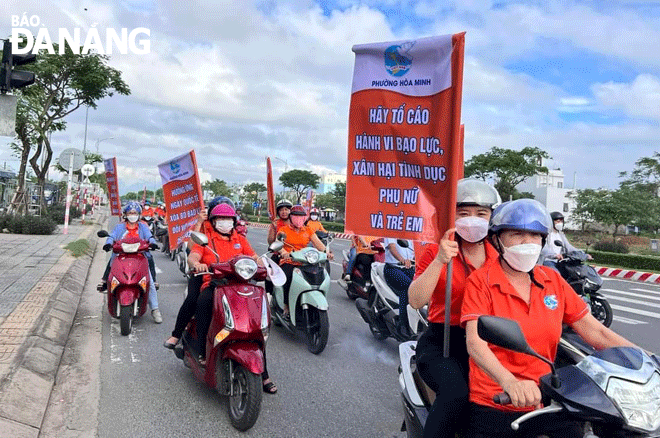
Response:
column 458, row 278
column 226, row 250
column 489, row 292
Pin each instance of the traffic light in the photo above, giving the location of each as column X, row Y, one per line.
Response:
column 10, row 78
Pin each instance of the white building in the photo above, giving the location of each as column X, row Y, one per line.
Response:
column 549, row 189
column 328, row 181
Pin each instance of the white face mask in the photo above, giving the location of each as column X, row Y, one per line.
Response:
column 522, row 257
column 132, row 218
column 224, row 226
column 313, row 217
column 559, row 226
column 471, row 228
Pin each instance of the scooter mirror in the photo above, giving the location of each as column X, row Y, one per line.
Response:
column 402, row 243
column 281, row 237
column 558, row 243
column 199, row 238
column 102, row 233
column 503, row 332
column 275, row 246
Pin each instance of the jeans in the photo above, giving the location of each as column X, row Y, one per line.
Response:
column 399, row 278
column 351, row 260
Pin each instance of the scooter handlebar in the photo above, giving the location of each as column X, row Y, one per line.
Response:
column 502, row 399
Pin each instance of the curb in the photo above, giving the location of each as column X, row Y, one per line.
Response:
column 27, row 389
column 626, row 274
column 337, row 235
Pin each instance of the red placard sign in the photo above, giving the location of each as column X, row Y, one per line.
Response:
column 113, row 189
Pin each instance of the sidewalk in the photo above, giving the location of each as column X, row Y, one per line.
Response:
column 40, row 288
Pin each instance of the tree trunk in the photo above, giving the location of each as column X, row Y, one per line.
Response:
column 18, row 201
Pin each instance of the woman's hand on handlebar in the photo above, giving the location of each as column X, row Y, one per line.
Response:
column 200, row 267
column 523, row 393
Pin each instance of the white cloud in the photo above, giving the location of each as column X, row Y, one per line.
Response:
column 639, row 98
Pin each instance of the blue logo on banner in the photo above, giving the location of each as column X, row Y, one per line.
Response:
column 175, row 167
column 550, row 301
column 397, row 59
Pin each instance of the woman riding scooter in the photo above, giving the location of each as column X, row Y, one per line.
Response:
column 282, row 211
column 540, row 301
column 224, row 244
column 297, row 237
column 448, row 376
column 134, row 227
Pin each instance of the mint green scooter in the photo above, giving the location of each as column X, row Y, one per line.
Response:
column 308, row 305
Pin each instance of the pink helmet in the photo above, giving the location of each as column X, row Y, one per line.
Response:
column 222, row 210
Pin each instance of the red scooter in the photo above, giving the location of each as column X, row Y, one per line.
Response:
column 358, row 285
column 128, row 282
column 236, row 339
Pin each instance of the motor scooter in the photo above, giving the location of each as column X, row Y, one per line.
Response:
column 128, row 281
column 236, row 340
column 308, row 304
column 586, row 282
column 241, row 227
column 360, row 281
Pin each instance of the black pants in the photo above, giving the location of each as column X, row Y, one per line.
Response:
column 152, row 268
column 189, row 305
column 288, row 270
column 487, row 422
column 204, row 315
column 363, row 264
column 447, row 377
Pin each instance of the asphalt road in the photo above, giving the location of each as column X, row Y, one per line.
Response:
column 349, row 390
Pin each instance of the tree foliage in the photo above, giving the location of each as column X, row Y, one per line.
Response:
column 63, row 83
column 252, row 190
column 645, row 176
column 507, row 168
column 299, row 181
column 217, row 187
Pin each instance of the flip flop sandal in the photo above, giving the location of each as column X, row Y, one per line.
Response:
column 270, row 388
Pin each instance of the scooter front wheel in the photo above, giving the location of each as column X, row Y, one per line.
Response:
column 318, row 330
column 243, row 407
column 602, row 310
column 126, row 319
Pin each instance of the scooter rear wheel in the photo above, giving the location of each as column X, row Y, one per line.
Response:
column 243, row 407
column 126, row 319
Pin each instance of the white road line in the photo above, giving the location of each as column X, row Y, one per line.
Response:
column 635, row 311
column 631, row 301
column 654, row 292
column 637, row 282
column 335, row 263
column 620, row 292
column 158, row 270
column 629, row 320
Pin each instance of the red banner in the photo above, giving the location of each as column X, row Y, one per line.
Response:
column 308, row 200
column 461, row 149
column 183, row 195
column 144, row 196
column 404, row 134
column 113, row 189
column 270, row 189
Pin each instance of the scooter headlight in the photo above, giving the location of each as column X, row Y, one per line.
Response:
column 312, row 257
column 640, row 403
column 245, row 268
column 130, row 247
column 265, row 322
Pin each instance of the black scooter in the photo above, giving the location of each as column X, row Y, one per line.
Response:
column 586, row 282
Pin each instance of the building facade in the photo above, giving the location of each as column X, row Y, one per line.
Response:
column 328, row 181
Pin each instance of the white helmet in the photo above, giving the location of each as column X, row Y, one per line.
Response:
column 476, row 192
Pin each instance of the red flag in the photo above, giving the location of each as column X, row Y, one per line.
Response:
column 270, row 189
column 113, row 189
column 183, row 195
column 404, row 129
column 461, row 150
column 144, row 195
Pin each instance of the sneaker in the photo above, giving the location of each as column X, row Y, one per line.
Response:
column 347, row 277
column 102, row 286
column 156, row 285
column 155, row 314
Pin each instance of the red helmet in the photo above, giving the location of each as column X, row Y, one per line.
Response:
column 222, row 210
column 314, row 210
column 298, row 210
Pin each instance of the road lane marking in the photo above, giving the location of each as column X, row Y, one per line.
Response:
column 158, row 270
column 635, row 311
column 632, row 301
column 615, row 291
column 654, row 292
column 629, row 320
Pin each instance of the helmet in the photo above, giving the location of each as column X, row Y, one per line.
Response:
column 476, row 192
column 521, row 214
column 132, row 205
column 283, row 203
column 298, row 210
column 555, row 215
column 223, row 210
column 314, row 210
column 217, row 201
column 147, row 203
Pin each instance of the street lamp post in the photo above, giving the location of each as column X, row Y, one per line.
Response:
column 285, row 169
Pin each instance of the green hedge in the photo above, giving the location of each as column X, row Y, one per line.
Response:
column 335, row 227
column 631, row 261
column 28, row 224
column 56, row 213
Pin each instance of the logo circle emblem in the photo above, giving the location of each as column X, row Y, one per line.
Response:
column 397, row 62
column 550, row 301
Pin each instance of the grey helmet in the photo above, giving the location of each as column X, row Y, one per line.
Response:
column 476, row 192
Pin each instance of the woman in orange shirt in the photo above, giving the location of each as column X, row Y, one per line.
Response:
column 448, row 376
column 297, row 237
column 540, row 300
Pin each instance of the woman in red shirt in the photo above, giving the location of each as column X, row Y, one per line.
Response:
column 540, row 300
column 448, row 376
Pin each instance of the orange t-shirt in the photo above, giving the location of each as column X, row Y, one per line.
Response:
column 489, row 292
column 295, row 240
column 148, row 213
column 458, row 278
column 131, row 232
column 226, row 250
column 160, row 212
column 360, row 249
column 315, row 226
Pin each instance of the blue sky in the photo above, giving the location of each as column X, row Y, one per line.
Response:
column 239, row 80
